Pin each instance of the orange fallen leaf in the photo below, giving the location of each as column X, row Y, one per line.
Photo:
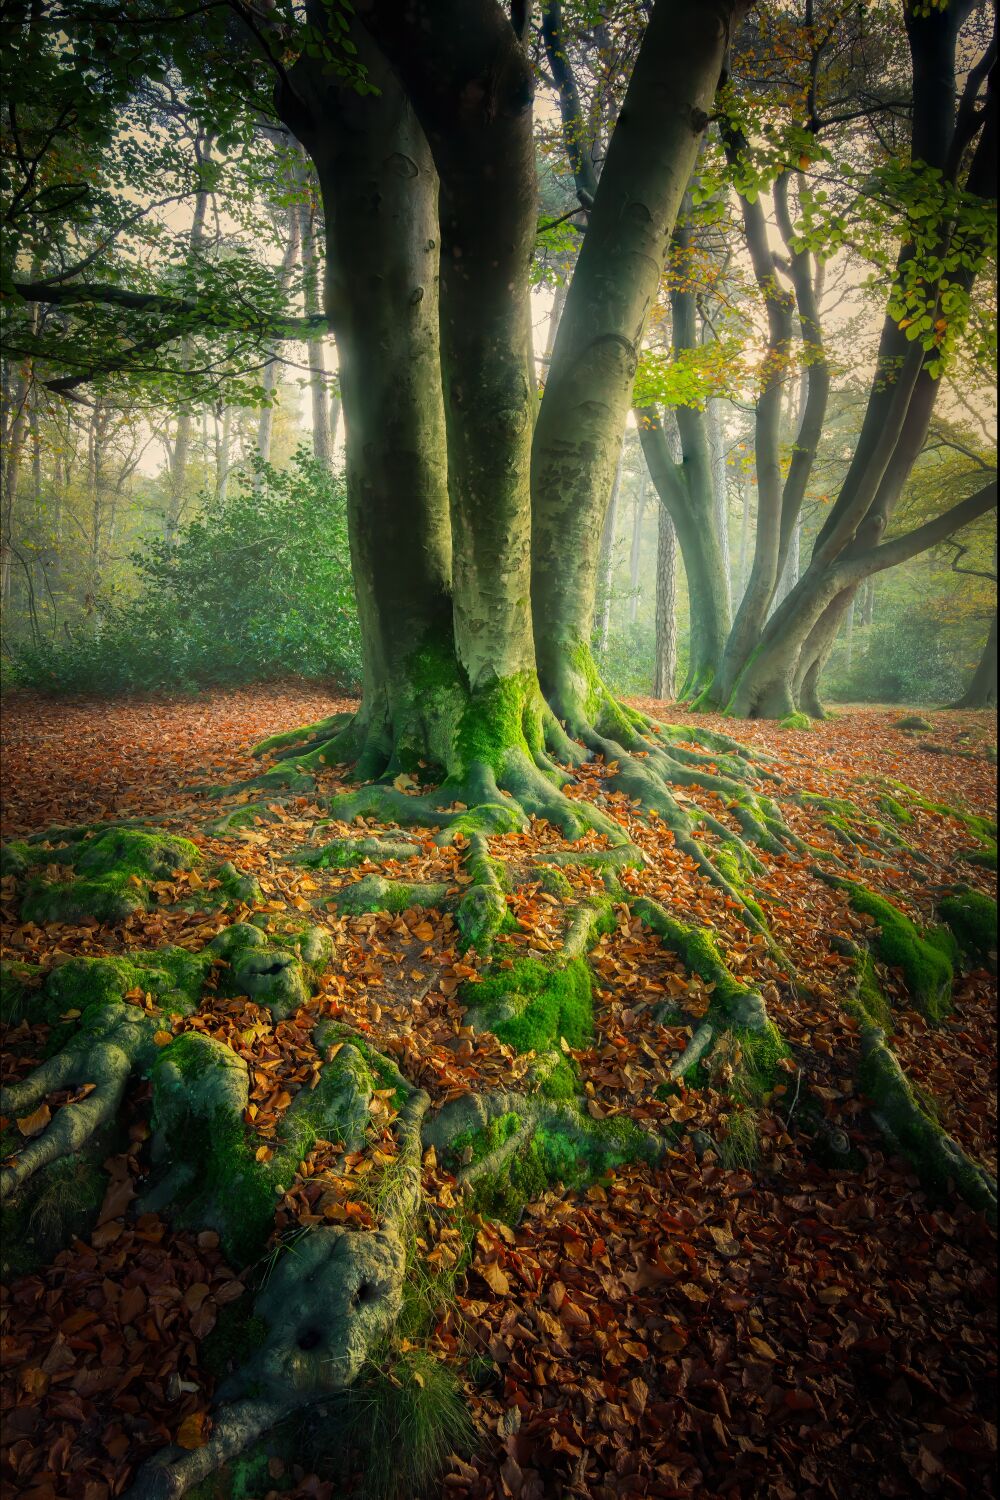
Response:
column 36, row 1122
column 191, row 1433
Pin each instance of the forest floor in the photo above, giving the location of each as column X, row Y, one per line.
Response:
column 686, row 1330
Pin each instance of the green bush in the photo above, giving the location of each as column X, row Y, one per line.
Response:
column 258, row 587
column 906, row 658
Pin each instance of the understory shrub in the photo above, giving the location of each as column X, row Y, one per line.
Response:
column 905, row 658
column 257, row 587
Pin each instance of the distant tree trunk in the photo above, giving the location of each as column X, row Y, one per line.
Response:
column 635, row 553
column 868, row 602
column 680, row 467
column 336, row 409
column 16, row 404
column 265, row 426
column 222, row 447
column 95, row 485
column 982, row 690
column 322, row 436
column 606, row 562
column 558, row 303
column 744, row 532
column 665, row 666
column 182, row 436
column 790, row 572
column 718, row 452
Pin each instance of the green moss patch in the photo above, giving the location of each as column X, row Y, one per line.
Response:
column 796, row 720
column 113, row 872
column 912, row 721
column 924, row 957
column 972, row 918
column 531, row 1005
column 568, row 1148
column 912, row 1127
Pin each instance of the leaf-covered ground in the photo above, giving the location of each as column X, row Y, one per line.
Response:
column 686, row 1330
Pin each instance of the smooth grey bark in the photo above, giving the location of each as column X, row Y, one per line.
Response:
column 685, row 489
column 744, row 564
column 982, row 690
column 635, row 551
column 380, row 200
column 720, row 492
column 483, row 149
column 178, row 461
column 570, row 108
column 802, row 631
column 272, row 369
column 311, row 296
column 606, row 561
column 665, row 664
column 581, row 423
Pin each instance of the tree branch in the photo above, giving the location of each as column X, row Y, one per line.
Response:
column 83, row 293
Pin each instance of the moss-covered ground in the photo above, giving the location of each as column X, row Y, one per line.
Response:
column 612, row 1214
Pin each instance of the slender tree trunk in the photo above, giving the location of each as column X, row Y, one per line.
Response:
column 720, row 492
column 982, row 690
column 222, row 452
column 272, row 370
column 685, row 489
column 665, row 667
column 744, row 485
column 606, row 562
column 177, row 473
column 16, row 431
column 555, row 314
column 790, row 572
column 635, row 552
column 322, row 436
column 868, row 602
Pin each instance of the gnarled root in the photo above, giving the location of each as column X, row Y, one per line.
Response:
column 332, row 1298
column 937, row 1158
column 115, row 1042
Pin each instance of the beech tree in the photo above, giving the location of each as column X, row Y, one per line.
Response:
column 475, row 513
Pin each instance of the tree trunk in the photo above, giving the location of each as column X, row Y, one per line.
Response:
column 982, row 690
column 744, row 532
column 177, row 471
column 606, row 562
column 222, row 452
column 272, row 370
column 720, row 493
column 685, row 489
column 665, row 667
column 17, row 427
column 635, row 551
column 579, row 430
column 379, row 193
column 322, row 436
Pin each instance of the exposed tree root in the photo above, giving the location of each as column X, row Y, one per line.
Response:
column 901, row 1114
